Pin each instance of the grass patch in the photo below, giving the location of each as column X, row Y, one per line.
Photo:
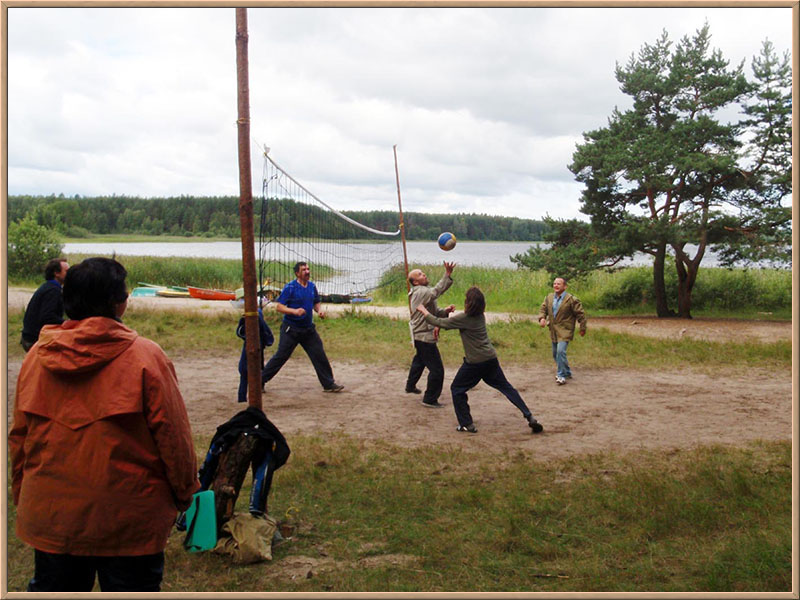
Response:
column 714, row 519
column 381, row 340
column 742, row 293
column 374, row 516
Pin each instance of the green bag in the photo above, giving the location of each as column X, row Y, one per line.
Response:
column 201, row 523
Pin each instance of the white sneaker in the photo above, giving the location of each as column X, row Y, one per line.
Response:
column 560, row 380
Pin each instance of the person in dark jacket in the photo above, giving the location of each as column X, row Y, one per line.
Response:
column 265, row 337
column 46, row 306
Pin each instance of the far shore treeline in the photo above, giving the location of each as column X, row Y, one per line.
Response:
column 82, row 216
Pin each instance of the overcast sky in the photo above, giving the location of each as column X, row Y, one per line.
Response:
column 485, row 105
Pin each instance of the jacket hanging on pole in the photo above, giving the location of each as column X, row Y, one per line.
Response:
column 270, row 453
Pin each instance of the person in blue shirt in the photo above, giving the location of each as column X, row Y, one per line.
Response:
column 265, row 338
column 46, row 307
column 296, row 302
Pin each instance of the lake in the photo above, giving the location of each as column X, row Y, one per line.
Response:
column 360, row 272
column 490, row 254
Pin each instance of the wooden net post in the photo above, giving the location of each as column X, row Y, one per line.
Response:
column 252, row 336
column 402, row 223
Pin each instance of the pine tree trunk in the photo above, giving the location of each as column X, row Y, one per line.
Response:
column 659, row 287
column 233, row 466
column 687, row 275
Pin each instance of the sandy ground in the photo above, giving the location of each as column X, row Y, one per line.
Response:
column 620, row 410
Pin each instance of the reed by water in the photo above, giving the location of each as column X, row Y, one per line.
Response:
column 718, row 291
column 752, row 293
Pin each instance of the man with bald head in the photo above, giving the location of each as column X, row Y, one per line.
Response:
column 560, row 311
column 426, row 335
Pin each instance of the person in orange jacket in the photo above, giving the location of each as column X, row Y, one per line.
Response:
column 101, row 448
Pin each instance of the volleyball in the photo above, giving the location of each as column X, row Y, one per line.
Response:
column 447, row 241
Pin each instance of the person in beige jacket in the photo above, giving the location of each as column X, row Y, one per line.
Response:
column 426, row 335
column 560, row 310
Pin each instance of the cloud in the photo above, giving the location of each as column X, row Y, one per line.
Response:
column 485, row 105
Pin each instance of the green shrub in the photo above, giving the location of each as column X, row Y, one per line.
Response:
column 631, row 287
column 30, row 246
column 715, row 289
column 728, row 289
column 76, row 231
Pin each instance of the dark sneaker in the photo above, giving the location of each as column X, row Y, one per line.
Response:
column 467, row 428
column 413, row 390
column 436, row 404
column 334, row 388
column 535, row 426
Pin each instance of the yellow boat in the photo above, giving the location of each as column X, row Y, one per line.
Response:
column 166, row 293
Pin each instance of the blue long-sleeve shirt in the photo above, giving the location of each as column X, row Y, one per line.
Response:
column 294, row 295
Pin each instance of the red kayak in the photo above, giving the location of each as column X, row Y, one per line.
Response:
column 206, row 294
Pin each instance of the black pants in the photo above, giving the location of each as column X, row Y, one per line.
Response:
column 69, row 573
column 427, row 356
column 309, row 339
column 468, row 376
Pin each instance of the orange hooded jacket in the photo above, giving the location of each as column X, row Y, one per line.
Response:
column 102, row 452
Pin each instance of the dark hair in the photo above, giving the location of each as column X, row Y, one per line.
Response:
column 52, row 267
column 474, row 302
column 93, row 288
column 298, row 265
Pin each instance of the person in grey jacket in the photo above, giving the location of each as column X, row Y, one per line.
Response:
column 426, row 335
column 480, row 361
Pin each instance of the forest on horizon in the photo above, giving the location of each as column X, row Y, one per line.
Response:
column 83, row 216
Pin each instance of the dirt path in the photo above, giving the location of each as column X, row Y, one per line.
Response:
column 599, row 410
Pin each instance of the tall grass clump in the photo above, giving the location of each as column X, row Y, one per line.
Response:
column 628, row 290
column 506, row 290
column 208, row 272
column 731, row 289
column 221, row 273
column 716, row 289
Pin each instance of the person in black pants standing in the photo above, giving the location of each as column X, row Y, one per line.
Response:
column 426, row 335
column 480, row 361
column 298, row 300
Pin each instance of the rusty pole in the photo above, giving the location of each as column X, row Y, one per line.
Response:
column 403, row 237
column 402, row 223
column 253, row 338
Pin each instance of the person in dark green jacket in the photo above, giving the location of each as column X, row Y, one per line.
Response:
column 480, row 361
